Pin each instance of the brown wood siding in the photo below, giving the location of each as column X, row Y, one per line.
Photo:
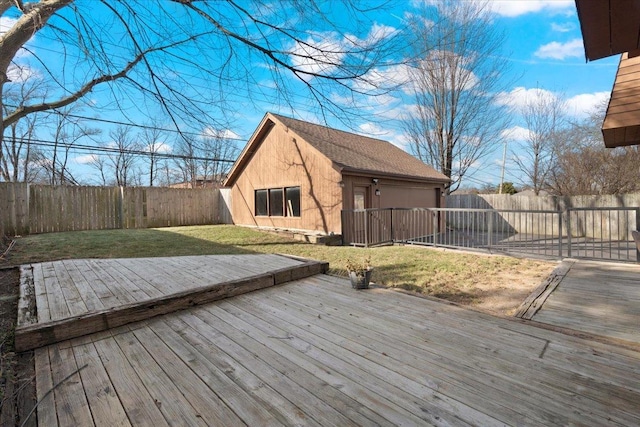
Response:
column 393, row 193
column 609, row 27
column 282, row 160
column 622, row 122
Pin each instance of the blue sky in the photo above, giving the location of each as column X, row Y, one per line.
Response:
column 543, row 46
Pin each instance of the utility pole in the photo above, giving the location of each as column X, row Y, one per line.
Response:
column 504, row 161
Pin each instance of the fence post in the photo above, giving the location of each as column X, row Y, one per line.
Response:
column 434, row 218
column 560, row 234
column 491, row 214
column 342, row 225
column 568, row 211
column 121, row 207
column 366, row 229
column 637, row 229
column 393, row 237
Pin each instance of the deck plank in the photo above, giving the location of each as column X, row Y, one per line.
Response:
column 105, row 405
column 72, row 407
column 138, row 404
column 316, row 352
column 388, row 394
column 597, row 298
column 476, row 369
column 297, row 386
column 44, row 389
column 57, row 304
column 102, row 283
column 85, row 291
column 210, row 372
column 205, row 401
column 120, row 275
column 70, row 292
column 175, row 406
column 42, row 300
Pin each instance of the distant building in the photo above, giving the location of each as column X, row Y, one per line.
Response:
column 202, row 182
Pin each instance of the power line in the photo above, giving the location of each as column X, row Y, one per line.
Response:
column 114, row 150
column 77, row 116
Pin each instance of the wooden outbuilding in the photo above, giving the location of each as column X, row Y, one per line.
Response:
column 297, row 175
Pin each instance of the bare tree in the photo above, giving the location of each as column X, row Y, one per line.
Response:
column 100, row 164
column 17, row 153
column 543, row 114
column 456, row 80
column 218, row 152
column 152, row 139
column 187, row 164
column 123, row 160
column 136, row 50
column 582, row 165
column 67, row 131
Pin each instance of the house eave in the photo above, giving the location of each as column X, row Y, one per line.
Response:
column 379, row 174
column 249, row 150
column 609, row 27
column 621, row 126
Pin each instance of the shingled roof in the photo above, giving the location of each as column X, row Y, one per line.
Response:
column 351, row 152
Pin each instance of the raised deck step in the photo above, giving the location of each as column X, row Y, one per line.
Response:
column 68, row 299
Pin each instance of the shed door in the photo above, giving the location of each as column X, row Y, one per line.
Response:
column 360, row 202
column 360, row 199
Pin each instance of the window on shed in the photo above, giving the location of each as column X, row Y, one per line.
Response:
column 292, row 197
column 276, row 202
column 261, row 203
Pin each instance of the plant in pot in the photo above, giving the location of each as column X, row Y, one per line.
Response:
column 359, row 273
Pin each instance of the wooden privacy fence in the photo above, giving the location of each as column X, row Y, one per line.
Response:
column 30, row 209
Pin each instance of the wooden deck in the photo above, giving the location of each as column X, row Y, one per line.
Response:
column 594, row 297
column 316, row 352
column 66, row 299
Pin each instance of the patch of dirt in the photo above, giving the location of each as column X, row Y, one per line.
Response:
column 499, row 293
column 17, row 372
column 508, row 289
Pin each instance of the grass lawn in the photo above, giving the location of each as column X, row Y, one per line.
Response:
column 495, row 283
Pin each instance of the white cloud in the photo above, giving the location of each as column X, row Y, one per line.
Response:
column 6, row 23
column 379, row 32
column 158, row 147
column 321, row 53
column 557, row 50
column 20, row 74
column 86, row 159
column 513, row 8
column 385, row 77
column 519, row 97
column 516, row 133
column 562, row 28
column 210, row 132
column 577, row 106
column 584, row 104
column 464, row 76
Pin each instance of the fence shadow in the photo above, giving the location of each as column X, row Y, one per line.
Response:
column 133, row 243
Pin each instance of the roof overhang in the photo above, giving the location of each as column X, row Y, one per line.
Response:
column 612, row 27
column 622, row 122
column 400, row 177
column 249, row 150
column 609, row 27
